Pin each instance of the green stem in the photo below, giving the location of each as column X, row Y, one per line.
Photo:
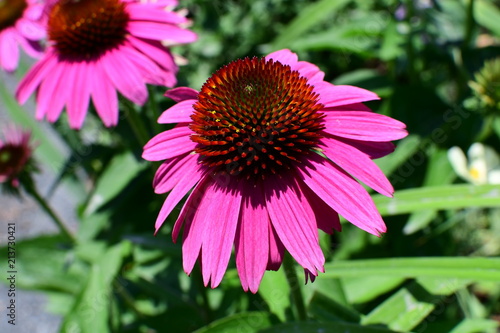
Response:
column 153, row 108
column 136, row 123
column 293, row 281
column 469, row 25
column 31, row 189
column 486, row 129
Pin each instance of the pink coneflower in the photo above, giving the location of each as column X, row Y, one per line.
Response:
column 15, row 151
column 20, row 24
column 271, row 150
column 98, row 47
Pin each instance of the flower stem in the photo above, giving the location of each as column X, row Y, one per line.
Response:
column 31, row 189
column 136, row 123
column 293, row 281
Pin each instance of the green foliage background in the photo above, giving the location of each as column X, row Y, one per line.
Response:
column 437, row 268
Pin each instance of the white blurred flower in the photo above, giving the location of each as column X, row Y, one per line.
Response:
column 483, row 166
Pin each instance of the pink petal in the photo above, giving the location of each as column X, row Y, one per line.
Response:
column 223, row 203
column 104, row 97
column 60, row 92
column 185, row 183
column 358, row 164
column 9, row 50
column 181, row 94
column 276, row 250
column 49, row 96
column 294, row 222
column 194, row 233
column 172, row 171
column 366, row 126
column 285, row 57
column 252, row 243
column 161, row 31
column 348, row 107
column 30, row 29
column 372, row 149
column 156, row 51
column 78, row 102
column 35, row 75
column 327, row 219
column 142, row 12
column 168, row 144
column 125, row 76
column 310, row 71
column 331, row 95
column 179, row 113
column 344, row 194
column 150, row 71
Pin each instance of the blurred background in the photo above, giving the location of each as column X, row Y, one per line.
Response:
column 435, row 65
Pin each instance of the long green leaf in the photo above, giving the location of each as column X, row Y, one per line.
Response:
column 241, row 322
column 310, row 327
column 439, row 197
column 476, row 269
column 312, row 15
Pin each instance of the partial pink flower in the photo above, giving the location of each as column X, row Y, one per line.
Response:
column 271, row 151
column 21, row 24
column 99, row 47
column 15, row 151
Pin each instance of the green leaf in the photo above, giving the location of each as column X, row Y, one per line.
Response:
column 323, row 307
column 487, row 15
column 90, row 312
column 275, row 290
column 314, row 14
column 404, row 310
column 247, row 322
column 476, row 325
column 45, row 264
column 310, row 327
column 360, row 289
column 121, row 170
column 475, row 269
column 438, row 197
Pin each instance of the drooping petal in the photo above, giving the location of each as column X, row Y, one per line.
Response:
column 327, row 219
column 293, row 219
column 224, row 201
column 78, row 104
column 34, row 76
column 252, row 239
column 169, row 144
column 358, row 164
column 366, row 126
column 179, row 113
column 331, row 95
column 181, row 94
column 172, row 171
column 47, row 99
column 185, row 183
column 125, row 77
column 341, row 192
column 104, row 97
column 373, row 149
column 276, row 250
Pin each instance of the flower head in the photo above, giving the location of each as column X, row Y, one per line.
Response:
column 15, row 152
column 20, row 25
column 98, row 47
column 483, row 166
column 485, row 87
column 271, row 150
